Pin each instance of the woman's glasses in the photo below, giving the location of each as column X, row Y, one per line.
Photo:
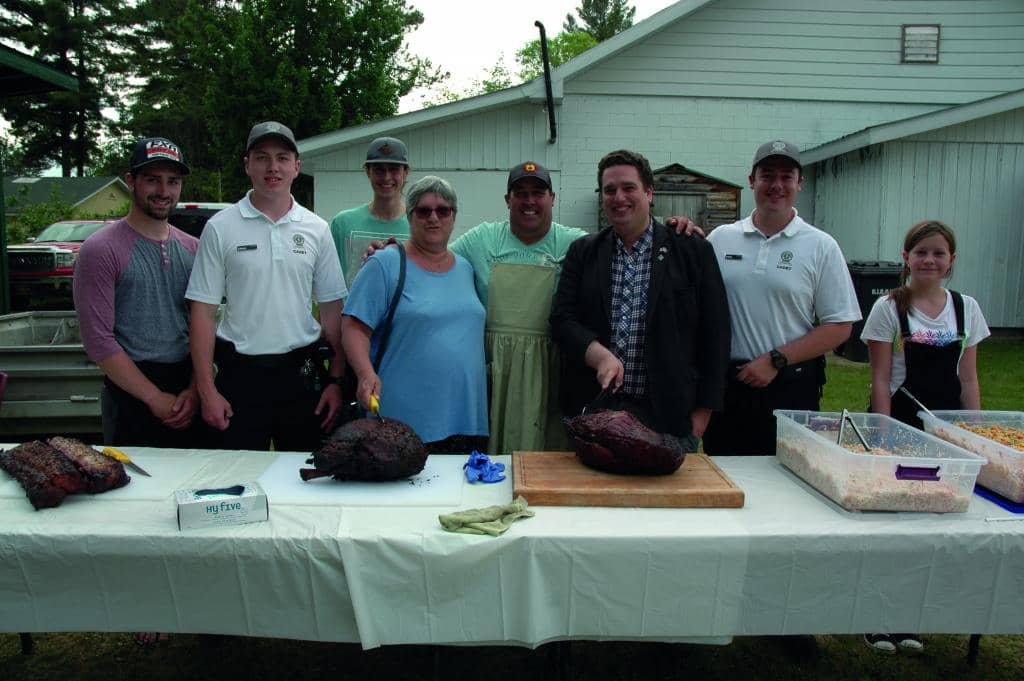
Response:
column 423, row 212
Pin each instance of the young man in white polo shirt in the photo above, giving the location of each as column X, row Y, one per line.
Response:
column 270, row 258
column 791, row 300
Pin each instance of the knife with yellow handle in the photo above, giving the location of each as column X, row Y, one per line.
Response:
column 375, row 407
column 118, row 455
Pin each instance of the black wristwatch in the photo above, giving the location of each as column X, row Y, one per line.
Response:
column 779, row 360
column 335, row 380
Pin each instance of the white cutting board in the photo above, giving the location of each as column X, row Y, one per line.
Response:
column 438, row 484
column 168, row 474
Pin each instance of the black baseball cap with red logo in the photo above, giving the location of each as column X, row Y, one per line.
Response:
column 387, row 150
column 154, row 149
column 528, row 169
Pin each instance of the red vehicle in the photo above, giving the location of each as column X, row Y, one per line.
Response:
column 41, row 271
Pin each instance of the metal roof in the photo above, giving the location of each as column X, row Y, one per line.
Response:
column 22, row 75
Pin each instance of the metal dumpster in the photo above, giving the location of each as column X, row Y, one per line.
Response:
column 52, row 386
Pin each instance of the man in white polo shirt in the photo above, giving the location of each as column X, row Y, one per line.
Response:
column 791, row 301
column 270, row 258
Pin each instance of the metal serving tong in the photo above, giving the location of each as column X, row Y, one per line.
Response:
column 860, row 436
column 925, row 409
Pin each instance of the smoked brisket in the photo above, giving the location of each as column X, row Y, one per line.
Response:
column 617, row 442
column 101, row 473
column 48, row 472
column 369, row 449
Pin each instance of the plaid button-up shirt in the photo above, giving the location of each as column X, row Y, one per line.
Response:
column 631, row 277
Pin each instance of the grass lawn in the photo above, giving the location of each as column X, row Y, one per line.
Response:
column 114, row 657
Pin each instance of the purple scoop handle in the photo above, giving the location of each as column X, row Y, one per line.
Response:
column 917, row 472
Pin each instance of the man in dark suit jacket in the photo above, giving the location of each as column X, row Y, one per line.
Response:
column 641, row 314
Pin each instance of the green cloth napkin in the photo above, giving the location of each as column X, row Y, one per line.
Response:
column 493, row 520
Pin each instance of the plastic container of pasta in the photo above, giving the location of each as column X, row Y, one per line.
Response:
column 1004, row 473
column 908, row 469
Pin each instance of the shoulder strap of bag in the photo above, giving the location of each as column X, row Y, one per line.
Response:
column 386, row 332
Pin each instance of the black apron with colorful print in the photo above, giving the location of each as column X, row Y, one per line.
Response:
column 931, row 371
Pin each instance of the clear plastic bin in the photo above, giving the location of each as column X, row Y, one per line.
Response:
column 909, row 471
column 1004, row 473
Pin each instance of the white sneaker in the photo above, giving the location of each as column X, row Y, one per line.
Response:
column 909, row 643
column 882, row 643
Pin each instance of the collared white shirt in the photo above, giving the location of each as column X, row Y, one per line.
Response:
column 778, row 285
column 270, row 273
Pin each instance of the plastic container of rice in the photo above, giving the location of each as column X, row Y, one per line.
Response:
column 996, row 435
column 906, row 470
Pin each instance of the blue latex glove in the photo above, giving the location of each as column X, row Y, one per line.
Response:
column 480, row 468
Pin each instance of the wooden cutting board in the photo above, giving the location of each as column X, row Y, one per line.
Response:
column 559, row 479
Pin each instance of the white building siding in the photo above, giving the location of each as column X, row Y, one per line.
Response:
column 970, row 176
column 715, row 136
column 832, row 50
column 463, row 150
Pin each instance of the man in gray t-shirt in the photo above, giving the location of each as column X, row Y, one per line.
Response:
column 129, row 290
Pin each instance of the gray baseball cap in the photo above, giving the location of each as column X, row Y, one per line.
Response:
column 271, row 129
column 387, row 150
column 777, row 148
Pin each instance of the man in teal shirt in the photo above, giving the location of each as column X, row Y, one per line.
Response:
column 516, row 264
column 387, row 169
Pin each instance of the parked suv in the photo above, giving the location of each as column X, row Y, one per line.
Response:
column 41, row 270
column 191, row 217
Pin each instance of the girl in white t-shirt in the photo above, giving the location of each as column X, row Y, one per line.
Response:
column 924, row 338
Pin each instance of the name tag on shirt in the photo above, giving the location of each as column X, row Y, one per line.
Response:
column 733, row 256
column 246, row 247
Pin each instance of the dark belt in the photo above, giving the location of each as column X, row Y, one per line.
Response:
column 225, row 355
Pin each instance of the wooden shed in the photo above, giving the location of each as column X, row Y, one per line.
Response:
column 707, row 200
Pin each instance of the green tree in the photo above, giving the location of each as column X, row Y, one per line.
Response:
column 600, row 18
column 215, row 67
column 32, row 218
column 561, row 49
column 84, row 38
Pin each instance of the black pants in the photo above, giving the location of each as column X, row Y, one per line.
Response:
column 270, row 403
column 747, row 425
column 128, row 421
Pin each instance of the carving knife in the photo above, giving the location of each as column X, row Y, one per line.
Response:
column 118, row 455
column 375, row 407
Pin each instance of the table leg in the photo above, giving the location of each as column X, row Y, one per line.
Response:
column 27, row 644
column 972, row 649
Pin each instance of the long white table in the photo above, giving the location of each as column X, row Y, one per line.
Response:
column 789, row 562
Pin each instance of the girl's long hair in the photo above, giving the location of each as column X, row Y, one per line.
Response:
column 922, row 230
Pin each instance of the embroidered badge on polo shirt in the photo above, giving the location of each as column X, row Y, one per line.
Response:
column 299, row 242
column 785, row 260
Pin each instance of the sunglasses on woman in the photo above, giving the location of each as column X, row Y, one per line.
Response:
column 423, row 212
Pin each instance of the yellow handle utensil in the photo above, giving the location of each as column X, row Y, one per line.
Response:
column 118, row 455
column 375, row 406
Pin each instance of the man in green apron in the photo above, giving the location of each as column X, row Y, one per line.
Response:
column 517, row 263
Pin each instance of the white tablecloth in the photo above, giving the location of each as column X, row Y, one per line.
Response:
column 789, row 562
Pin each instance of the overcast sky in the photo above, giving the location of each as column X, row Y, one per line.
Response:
column 466, row 37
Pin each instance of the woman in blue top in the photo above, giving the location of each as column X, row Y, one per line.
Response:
column 432, row 374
